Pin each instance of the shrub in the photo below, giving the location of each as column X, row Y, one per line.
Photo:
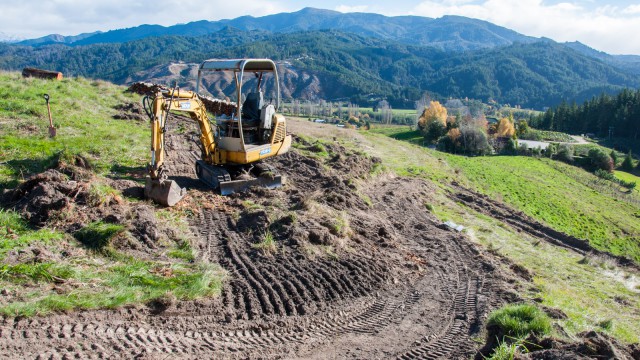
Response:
column 614, row 158
column 510, row 147
column 600, row 160
column 627, row 164
column 565, row 153
column 434, row 130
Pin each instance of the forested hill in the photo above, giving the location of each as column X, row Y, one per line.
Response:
column 332, row 64
column 448, row 33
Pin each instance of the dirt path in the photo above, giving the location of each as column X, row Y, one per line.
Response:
column 358, row 271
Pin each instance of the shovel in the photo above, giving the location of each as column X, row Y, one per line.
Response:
column 52, row 130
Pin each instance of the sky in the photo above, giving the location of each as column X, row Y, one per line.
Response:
column 610, row 26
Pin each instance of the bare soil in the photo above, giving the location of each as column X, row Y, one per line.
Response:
column 359, row 268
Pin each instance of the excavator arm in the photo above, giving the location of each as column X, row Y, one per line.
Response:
column 158, row 187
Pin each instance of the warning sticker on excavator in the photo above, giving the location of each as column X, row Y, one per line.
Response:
column 185, row 105
column 265, row 151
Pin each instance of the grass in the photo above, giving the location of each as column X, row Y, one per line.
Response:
column 121, row 283
column 86, row 278
column 268, row 244
column 98, row 235
column 545, row 135
column 560, row 195
column 588, row 292
column 630, row 178
column 81, row 111
column 520, row 321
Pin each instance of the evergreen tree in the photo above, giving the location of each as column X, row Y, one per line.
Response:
column 627, row 164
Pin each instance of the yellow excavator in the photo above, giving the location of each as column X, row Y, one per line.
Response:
column 232, row 146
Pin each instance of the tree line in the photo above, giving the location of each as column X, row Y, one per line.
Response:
column 603, row 116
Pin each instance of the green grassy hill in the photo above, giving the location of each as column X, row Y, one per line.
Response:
column 592, row 292
column 82, row 112
column 53, row 268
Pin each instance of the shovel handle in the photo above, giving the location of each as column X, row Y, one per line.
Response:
column 46, row 97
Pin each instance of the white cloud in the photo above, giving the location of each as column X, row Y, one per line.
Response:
column 71, row 17
column 632, row 10
column 348, row 8
column 606, row 28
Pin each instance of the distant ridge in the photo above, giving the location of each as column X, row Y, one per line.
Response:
column 448, row 33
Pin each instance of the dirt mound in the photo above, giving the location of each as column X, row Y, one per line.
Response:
column 70, row 197
column 131, row 111
column 591, row 345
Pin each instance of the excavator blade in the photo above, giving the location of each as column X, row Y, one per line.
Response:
column 267, row 181
column 166, row 192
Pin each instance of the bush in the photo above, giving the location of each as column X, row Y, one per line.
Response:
column 474, row 141
column 433, row 131
column 614, row 158
column 565, row 153
column 550, row 150
column 627, row 164
column 600, row 160
column 510, row 147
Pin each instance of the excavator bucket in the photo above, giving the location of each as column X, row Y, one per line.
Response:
column 265, row 180
column 166, row 192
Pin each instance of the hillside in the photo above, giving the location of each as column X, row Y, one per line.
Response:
column 334, row 65
column 449, row 33
column 344, row 260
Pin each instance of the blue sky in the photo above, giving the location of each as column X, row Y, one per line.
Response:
column 610, row 26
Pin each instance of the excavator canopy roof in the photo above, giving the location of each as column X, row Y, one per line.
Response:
column 250, row 65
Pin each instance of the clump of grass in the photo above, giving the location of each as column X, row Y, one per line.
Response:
column 606, row 324
column 182, row 251
column 268, row 243
column 505, row 351
column 98, row 234
column 101, row 194
column 519, row 321
column 340, row 225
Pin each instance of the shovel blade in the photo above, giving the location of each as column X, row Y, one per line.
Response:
column 166, row 192
column 52, row 132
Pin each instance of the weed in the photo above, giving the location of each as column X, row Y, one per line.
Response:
column 340, row 225
column 250, row 205
column 606, row 324
column 268, row 243
column 102, row 194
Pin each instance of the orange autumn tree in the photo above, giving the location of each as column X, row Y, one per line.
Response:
column 433, row 121
column 505, row 129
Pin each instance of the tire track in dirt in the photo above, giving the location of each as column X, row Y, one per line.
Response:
column 521, row 222
column 403, row 286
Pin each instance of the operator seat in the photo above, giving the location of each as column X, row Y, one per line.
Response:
column 251, row 109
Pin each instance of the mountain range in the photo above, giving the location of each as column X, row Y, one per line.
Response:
column 356, row 56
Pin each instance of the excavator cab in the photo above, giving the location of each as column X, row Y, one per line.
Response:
column 234, row 144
